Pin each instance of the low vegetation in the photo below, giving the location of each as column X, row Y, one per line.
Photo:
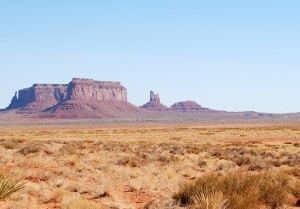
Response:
column 9, row 185
column 79, row 203
column 168, row 167
column 239, row 189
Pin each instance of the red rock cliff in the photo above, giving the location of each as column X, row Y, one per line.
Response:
column 42, row 96
column 96, row 90
column 39, row 95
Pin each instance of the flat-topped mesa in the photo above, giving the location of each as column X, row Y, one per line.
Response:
column 102, row 83
column 44, row 94
column 82, row 80
column 82, row 89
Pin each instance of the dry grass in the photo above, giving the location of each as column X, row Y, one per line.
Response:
column 239, row 189
column 9, row 185
column 79, row 203
column 142, row 167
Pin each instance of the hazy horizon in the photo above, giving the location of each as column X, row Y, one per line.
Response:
column 233, row 55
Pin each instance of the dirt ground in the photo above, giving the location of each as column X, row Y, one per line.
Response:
column 135, row 166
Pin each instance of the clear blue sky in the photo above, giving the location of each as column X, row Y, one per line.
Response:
column 227, row 55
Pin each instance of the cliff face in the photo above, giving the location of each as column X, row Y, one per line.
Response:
column 41, row 97
column 79, row 89
column 87, row 98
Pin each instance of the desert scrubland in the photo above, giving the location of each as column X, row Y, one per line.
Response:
column 151, row 166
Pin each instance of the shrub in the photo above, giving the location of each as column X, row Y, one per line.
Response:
column 296, row 144
column 202, row 163
column 256, row 165
column 236, row 190
column 210, row 199
column 9, row 145
column 241, row 160
column 30, row 148
column 295, row 171
column 9, row 185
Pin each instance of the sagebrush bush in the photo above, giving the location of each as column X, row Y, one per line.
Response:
column 239, row 190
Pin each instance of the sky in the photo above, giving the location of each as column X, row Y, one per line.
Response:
column 228, row 55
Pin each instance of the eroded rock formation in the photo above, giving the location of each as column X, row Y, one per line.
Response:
column 79, row 89
column 39, row 96
column 80, row 98
column 154, row 103
column 87, row 98
column 188, row 106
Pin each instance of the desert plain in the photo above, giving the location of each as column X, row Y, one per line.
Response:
column 139, row 166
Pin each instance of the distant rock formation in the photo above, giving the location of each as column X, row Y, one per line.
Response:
column 154, row 103
column 79, row 89
column 87, row 98
column 81, row 98
column 39, row 97
column 188, row 106
column 154, row 97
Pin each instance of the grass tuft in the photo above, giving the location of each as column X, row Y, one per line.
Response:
column 9, row 185
column 236, row 190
